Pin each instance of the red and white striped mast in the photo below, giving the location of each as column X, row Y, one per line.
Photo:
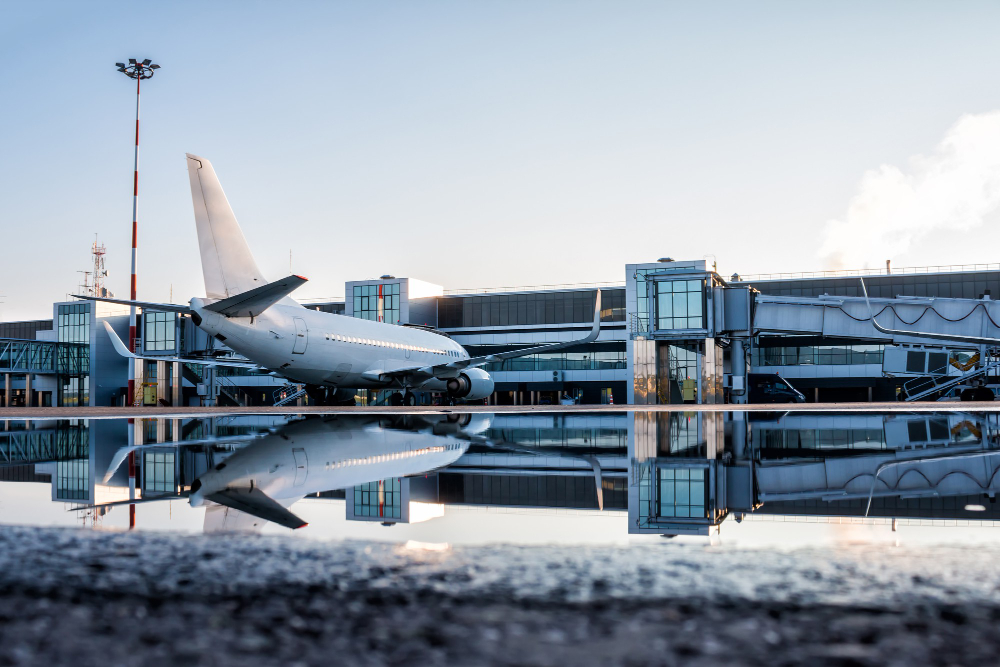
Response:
column 138, row 71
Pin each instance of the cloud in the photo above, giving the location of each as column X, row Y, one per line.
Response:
column 952, row 189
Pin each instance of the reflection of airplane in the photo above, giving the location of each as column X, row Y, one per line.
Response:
column 304, row 457
column 322, row 350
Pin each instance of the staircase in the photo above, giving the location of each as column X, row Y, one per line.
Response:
column 288, row 393
column 924, row 387
column 232, row 393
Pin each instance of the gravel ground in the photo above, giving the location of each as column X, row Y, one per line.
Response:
column 99, row 598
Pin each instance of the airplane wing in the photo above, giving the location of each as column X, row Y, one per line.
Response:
column 255, row 502
column 254, row 302
column 148, row 305
column 973, row 340
column 454, row 368
column 121, row 349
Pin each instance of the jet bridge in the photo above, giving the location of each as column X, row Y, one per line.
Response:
column 849, row 317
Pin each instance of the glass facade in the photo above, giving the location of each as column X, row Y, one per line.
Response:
column 158, row 331
column 158, row 472
column 381, row 499
column 821, row 438
column 592, row 357
column 682, row 492
column 72, row 479
column 74, row 323
column 814, row 355
column 379, row 303
column 503, row 310
column 680, row 304
column 550, row 490
column 74, row 391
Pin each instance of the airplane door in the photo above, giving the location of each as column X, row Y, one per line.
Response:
column 301, row 336
column 301, row 466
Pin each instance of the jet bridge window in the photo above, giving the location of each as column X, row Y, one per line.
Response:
column 680, row 304
column 682, row 492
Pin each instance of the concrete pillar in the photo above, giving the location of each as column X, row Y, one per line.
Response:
column 176, row 382
column 816, row 395
column 869, row 394
column 28, row 402
column 161, row 426
column 6, row 390
column 162, row 387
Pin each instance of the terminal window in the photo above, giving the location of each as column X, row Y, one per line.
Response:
column 74, row 323
column 158, row 472
column 158, row 331
column 680, row 304
column 379, row 499
column 379, row 303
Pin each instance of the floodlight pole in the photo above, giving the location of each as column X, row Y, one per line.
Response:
column 138, row 71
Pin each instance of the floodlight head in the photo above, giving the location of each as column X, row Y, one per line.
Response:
column 131, row 61
column 154, row 67
column 146, row 61
column 122, row 65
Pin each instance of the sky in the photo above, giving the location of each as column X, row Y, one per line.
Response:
column 483, row 144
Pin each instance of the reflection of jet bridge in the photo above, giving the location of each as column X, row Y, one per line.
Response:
column 907, row 474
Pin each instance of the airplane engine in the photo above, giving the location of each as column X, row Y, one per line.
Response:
column 474, row 384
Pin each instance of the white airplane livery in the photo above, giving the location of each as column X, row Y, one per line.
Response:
column 262, row 479
column 326, row 352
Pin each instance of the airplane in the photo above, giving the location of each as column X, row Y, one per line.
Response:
column 326, row 352
column 261, row 480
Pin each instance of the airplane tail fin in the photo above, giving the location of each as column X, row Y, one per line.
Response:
column 226, row 260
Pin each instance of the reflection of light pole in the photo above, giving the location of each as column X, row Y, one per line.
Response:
column 138, row 71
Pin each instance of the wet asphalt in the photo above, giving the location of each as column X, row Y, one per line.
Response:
column 81, row 597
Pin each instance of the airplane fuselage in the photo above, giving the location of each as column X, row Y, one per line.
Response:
column 329, row 350
column 309, row 457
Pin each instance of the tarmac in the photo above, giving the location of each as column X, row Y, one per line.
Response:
column 179, row 412
column 84, row 597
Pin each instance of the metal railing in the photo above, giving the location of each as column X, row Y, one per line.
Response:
column 530, row 288
column 841, row 273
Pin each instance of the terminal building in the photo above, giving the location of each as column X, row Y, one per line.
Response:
column 671, row 332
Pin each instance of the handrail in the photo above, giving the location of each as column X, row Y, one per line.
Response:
column 837, row 273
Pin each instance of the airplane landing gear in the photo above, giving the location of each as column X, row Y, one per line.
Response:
column 409, row 399
column 396, row 398
column 326, row 396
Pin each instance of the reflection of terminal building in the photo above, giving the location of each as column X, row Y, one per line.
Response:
column 674, row 473
column 670, row 333
column 932, row 466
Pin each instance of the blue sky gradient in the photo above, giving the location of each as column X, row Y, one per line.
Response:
column 472, row 144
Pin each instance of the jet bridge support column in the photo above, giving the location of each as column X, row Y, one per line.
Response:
column 738, row 365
